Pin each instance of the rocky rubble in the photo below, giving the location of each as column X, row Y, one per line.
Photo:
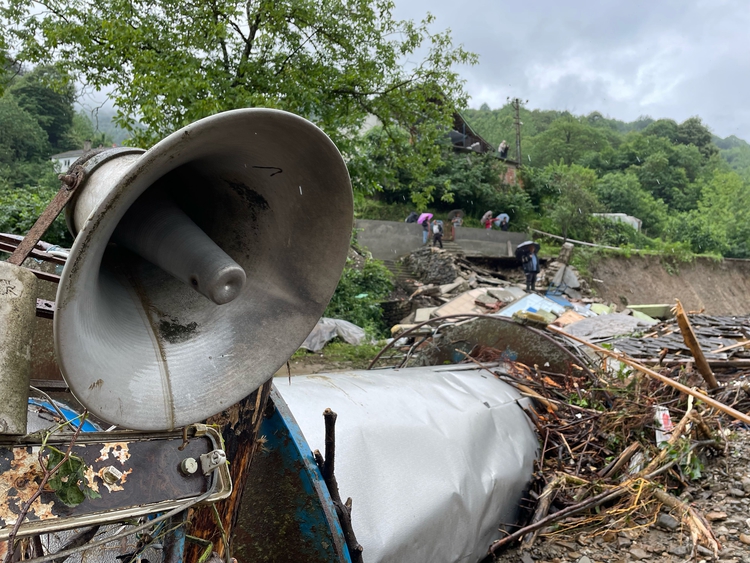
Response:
column 432, row 266
column 438, row 276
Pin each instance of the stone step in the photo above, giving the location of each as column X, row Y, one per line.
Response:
column 400, row 273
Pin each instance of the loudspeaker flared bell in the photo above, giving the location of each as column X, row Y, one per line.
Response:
column 199, row 266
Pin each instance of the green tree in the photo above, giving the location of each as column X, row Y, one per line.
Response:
column 693, row 132
column 48, row 94
column 666, row 128
column 576, row 202
column 83, row 130
column 335, row 62
column 568, row 140
column 622, row 193
column 21, row 136
column 474, row 182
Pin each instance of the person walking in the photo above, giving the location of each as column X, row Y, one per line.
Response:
column 530, row 263
column 503, row 149
column 425, row 230
column 437, row 233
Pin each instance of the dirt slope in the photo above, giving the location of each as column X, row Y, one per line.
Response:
column 722, row 288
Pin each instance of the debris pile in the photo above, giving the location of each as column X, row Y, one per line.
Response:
column 432, row 266
column 625, row 451
column 446, row 283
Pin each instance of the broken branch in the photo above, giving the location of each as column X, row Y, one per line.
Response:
column 651, row 373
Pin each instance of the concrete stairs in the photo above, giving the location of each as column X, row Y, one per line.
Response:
column 451, row 246
column 399, row 271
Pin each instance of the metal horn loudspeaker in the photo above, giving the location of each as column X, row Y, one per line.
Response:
column 199, row 266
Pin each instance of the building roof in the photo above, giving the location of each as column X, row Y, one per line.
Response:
column 464, row 138
column 67, row 154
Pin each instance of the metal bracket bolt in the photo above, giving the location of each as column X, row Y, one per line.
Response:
column 189, row 466
column 212, row 460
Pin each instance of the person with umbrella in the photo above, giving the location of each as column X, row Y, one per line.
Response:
column 424, row 220
column 456, row 217
column 502, row 221
column 526, row 252
column 487, row 220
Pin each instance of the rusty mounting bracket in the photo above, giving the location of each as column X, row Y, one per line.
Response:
column 70, row 183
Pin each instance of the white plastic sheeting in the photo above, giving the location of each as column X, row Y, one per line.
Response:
column 434, row 458
column 327, row 329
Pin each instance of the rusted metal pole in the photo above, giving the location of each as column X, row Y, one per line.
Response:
column 70, row 183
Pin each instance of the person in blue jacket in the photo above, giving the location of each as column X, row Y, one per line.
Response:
column 530, row 263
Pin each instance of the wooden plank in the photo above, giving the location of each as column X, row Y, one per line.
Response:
column 737, row 415
column 692, row 342
column 239, row 424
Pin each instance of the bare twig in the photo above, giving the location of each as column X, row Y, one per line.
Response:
column 651, row 373
column 327, row 465
column 700, row 531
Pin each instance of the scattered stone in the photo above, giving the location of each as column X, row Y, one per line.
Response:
column 667, row 521
column 485, row 299
column 623, row 542
column 746, row 484
column 527, row 558
column 568, row 545
column 678, row 550
column 736, row 492
column 432, row 267
column 584, row 559
column 704, row 551
column 713, row 516
column 745, row 538
column 639, row 553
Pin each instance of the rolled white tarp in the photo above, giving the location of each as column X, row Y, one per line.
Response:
column 436, row 459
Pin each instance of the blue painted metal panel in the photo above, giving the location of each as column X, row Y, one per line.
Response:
column 287, row 513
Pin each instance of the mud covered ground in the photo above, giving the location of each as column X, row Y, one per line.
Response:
column 719, row 287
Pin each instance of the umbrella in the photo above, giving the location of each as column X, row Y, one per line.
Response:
column 424, row 216
column 526, row 247
column 486, row 216
column 455, row 213
column 499, row 219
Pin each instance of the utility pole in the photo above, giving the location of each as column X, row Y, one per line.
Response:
column 516, row 103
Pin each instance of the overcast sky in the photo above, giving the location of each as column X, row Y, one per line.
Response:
column 663, row 58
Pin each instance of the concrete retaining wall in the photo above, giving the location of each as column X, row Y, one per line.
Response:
column 390, row 240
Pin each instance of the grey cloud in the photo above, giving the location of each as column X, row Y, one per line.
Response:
column 665, row 58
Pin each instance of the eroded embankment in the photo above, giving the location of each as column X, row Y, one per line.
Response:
column 721, row 287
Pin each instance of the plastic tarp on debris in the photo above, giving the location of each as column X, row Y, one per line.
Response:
column 533, row 303
column 606, row 326
column 328, row 329
column 435, row 459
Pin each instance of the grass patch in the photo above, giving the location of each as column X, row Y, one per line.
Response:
column 339, row 352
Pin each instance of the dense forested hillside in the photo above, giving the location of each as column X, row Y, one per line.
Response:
column 37, row 120
column 686, row 185
column 690, row 188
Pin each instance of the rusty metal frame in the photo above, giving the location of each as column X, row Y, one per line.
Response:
column 220, row 485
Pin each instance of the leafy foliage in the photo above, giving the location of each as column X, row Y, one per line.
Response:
column 48, row 95
column 69, row 482
column 335, row 62
column 359, row 293
column 667, row 174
